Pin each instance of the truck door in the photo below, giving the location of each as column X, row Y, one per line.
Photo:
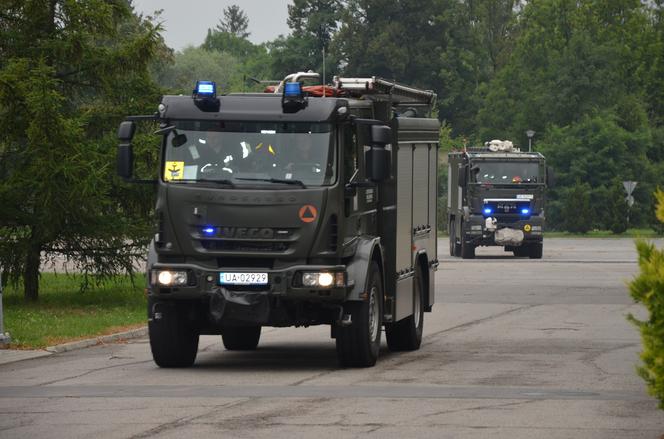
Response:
column 359, row 202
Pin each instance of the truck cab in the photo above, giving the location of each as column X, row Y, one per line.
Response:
column 293, row 207
column 496, row 197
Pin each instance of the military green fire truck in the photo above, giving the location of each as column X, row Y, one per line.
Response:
column 496, row 198
column 304, row 205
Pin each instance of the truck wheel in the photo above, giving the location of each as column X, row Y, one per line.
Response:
column 241, row 338
column 452, row 238
column 467, row 249
column 535, row 251
column 173, row 336
column 455, row 248
column 358, row 344
column 521, row 251
column 406, row 335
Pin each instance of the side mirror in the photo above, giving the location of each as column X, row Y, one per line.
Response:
column 550, row 177
column 126, row 131
column 178, row 140
column 381, row 135
column 378, row 162
column 378, row 159
column 125, row 159
column 462, row 175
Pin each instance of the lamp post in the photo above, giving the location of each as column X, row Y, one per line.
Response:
column 530, row 134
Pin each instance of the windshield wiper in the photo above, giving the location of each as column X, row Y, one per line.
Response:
column 274, row 180
column 204, row 180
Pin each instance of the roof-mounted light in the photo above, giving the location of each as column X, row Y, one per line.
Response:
column 292, row 89
column 205, row 96
column 293, row 99
column 205, row 89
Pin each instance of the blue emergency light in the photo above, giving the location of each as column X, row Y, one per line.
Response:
column 206, row 89
column 488, row 211
column 292, row 89
column 293, row 99
column 525, row 211
column 208, row 230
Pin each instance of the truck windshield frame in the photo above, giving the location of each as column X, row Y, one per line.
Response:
column 248, row 154
column 506, row 172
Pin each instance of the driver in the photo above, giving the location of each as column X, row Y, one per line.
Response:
column 213, row 158
column 303, row 160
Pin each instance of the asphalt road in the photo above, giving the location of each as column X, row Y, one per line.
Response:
column 515, row 348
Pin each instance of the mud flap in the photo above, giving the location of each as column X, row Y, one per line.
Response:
column 239, row 306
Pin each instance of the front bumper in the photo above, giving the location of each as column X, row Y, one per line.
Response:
column 476, row 232
column 203, row 282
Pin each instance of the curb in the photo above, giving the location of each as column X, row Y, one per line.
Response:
column 81, row 344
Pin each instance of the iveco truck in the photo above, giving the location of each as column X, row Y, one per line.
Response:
column 302, row 205
column 496, row 197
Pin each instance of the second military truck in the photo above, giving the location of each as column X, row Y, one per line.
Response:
column 295, row 207
column 496, row 198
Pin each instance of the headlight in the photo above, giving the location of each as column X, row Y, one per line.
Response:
column 169, row 278
column 323, row 279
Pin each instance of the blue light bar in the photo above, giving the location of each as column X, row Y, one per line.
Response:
column 488, row 211
column 525, row 211
column 206, row 88
column 292, row 89
column 209, row 231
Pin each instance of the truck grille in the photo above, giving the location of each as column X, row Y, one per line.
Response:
column 244, row 246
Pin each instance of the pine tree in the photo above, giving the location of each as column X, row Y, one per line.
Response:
column 235, row 22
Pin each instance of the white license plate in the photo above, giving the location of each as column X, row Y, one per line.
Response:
column 239, row 278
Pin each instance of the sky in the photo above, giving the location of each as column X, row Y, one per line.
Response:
column 186, row 22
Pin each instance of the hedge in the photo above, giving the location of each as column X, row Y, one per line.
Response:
column 648, row 289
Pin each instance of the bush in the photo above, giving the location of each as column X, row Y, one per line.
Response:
column 618, row 209
column 648, row 288
column 576, row 208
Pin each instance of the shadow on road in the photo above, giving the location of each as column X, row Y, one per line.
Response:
column 277, row 356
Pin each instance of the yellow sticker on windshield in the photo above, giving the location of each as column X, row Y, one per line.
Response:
column 174, row 171
column 527, row 228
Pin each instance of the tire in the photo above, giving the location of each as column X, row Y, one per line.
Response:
column 241, row 338
column 520, row 252
column 406, row 335
column 467, row 249
column 173, row 336
column 455, row 248
column 358, row 344
column 535, row 251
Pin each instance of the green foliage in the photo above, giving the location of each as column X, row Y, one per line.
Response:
column 392, row 39
column 314, row 23
column 235, row 22
column 69, row 72
column 648, row 288
column 231, row 44
column 599, row 151
column 576, row 212
column 238, row 58
column 193, row 64
column 64, row 314
column 618, row 209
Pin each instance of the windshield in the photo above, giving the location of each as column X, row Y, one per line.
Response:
column 506, row 172
column 244, row 153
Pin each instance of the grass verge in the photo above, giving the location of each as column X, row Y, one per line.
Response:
column 630, row 233
column 64, row 313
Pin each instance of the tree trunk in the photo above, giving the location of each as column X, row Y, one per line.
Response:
column 31, row 274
